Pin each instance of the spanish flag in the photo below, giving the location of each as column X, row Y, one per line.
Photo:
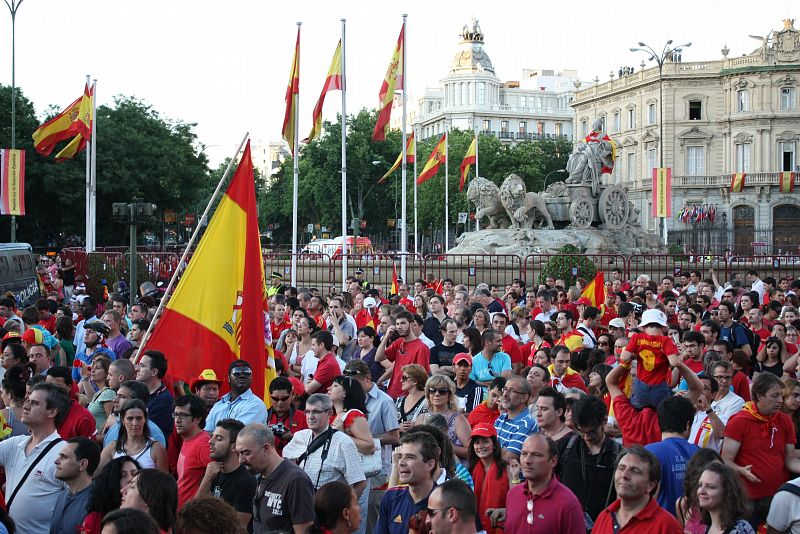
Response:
column 595, row 290
column 410, row 146
column 392, row 82
column 786, row 184
column 292, row 92
column 438, row 156
column 737, row 182
column 333, row 82
column 469, row 159
column 216, row 313
column 12, row 182
column 395, row 285
column 75, row 120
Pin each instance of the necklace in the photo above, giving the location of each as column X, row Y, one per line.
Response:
column 555, row 433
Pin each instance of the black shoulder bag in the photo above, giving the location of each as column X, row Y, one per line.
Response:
column 30, row 469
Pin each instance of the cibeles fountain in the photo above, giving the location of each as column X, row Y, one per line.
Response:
column 586, row 210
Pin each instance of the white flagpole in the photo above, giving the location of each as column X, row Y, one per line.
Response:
column 477, row 222
column 93, row 187
column 295, row 153
column 416, row 235
column 88, row 217
column 446, row 193
column 345, row 252
column 403, row 224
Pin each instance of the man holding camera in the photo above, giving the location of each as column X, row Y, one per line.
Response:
column 283, row 418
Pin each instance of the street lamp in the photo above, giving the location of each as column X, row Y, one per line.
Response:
column 549, row 174
column 13, row 6
column 667, row 53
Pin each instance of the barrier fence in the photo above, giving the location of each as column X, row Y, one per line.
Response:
column 325, row 272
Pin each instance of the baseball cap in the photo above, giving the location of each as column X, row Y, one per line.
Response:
column 616, row 322
column 33, row 336
column 483, row 430
column 585, row 301
column 462, row 357
column 238, row 363
column 207, row 376
column 370, row 302
column 654, row 317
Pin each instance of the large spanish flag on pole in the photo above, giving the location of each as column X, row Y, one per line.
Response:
column 391, row 82
column 12, row 182
column 595, row 290
column 292, row 90
column 410, row 145
column 438, row 156
column 786, row 184
column 333, row 82
column 75, row 120
column 737, row 182
column 469, row 159
column 216, row 313
column 662, row 192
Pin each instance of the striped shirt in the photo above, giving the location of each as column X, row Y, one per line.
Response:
column 511, row 433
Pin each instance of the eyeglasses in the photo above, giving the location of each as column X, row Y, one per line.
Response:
column 440, row 391
column 405, row 377
column 602, row 343
column 721, row 378
column 279, row 399
column 526, row 317
column 351, row 372
column 181, row 415
column 529, row 506
column 316, row 412
column 242, row 372
column 512, row 390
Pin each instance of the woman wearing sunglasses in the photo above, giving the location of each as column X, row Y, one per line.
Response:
column 440, row 393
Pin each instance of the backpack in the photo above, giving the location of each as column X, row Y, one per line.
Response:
column 752, row 339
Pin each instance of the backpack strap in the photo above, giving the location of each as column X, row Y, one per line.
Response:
column 791, row 488
column 30, row 468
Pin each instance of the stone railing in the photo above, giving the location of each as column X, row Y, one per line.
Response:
column 723, row 180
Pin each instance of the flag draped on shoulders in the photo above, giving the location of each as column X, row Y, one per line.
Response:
column 74, row 122
column 216, row 313
column 392, row 82
column 333, row 82
column 410, row 146
column 438, row 156
column 595, row 290
column 469, row 159
column 292, row 91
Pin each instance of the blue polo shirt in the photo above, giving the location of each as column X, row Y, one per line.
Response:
column 511, row 433
column 486, row 371
column 246, row 408
column 397, row 508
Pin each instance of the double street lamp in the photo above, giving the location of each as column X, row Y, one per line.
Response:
column 668, row 53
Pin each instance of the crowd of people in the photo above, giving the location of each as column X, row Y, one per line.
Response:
column 669, row 407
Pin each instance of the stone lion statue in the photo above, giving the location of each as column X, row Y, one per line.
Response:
column 522, row 206
column 486, row 196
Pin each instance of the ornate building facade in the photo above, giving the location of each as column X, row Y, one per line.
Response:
column 720, row 117
column 472, row 97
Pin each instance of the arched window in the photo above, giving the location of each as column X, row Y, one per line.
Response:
column 784, row 227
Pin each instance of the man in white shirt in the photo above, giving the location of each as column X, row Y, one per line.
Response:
column 715, row 406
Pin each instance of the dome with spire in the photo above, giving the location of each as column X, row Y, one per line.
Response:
column 471, row 58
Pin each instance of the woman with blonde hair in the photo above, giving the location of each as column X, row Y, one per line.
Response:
column 411, row 403
column 440, row 392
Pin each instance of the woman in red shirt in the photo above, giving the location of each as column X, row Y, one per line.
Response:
column 490, row 473
column 350, row 406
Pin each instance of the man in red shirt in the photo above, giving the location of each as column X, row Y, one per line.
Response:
column 79, row 421
column 510, row 345
column 327, row 368
column 282, row 417
column 405, row 349
column 189, row 412
column 277, row 318
column 756, row 319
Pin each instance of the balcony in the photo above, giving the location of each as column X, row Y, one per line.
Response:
column 724, row 180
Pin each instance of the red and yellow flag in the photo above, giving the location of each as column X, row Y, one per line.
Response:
column 438, row 156
column 392, row 82
column 333, row 82
column 595, row 290
column 737, row 182
column 216, row 313
column 395, row 285
column 74, row 121
column 292, row 91
column 662, row 191
column 410, row 148
column 12, row 182
column 786, row 184
column 469, row 159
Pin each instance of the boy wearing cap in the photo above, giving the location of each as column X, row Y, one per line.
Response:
column 468, row 392
column 655, row 354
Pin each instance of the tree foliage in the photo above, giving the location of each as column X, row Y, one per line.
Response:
column 561, row 265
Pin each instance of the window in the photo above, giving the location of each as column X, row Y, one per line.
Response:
column 742, row 101
column 481, row 92
column 743, row 157
column 651, row 161
column 695, row 110
column 651, row 114
column 617, row 124
column 788, row 100
column 695, row 160
column 632, row 119
column 523, row 101
column 503, row 128
column 487, row 125
column 523, row 127
column 540, row 128
column 558, row 129
column 630, row 170
column 786, row 153
column 584, row 128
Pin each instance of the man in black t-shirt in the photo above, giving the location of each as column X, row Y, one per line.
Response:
column 442, row 353
column 225, row 477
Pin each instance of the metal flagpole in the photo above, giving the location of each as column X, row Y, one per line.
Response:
column 403, row 224
column 416, row 235
column 477, row 222
column 93, row 184
column 88, row 218
column 446, row 194
column 12, row 7
column 296, row 172
column 345, row 252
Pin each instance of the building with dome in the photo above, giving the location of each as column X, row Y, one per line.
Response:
column 721, row 117
column 472, row 97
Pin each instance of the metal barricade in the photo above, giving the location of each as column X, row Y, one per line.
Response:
column 777, row 266
column 535, row 264
column 656, row 266
column 379, row 268
column 160, row 265
column 473, row 269
column 313, row 270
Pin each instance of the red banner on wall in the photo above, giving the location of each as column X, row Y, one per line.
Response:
column 12, row 182
column 662, row 192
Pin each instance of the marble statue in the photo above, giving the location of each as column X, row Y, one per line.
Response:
column 522, row 206
column 486, row 196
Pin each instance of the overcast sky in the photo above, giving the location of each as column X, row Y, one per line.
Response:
column 225, row 64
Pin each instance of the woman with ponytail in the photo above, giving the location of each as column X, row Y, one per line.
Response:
column 335, row 509
column 12, row 391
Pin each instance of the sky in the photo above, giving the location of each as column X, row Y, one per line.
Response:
column 224, row 65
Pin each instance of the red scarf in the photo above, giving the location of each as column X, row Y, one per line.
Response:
column 491, row 489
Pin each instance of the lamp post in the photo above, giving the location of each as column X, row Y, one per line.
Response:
column 666, row 54
column 13, row 6
column 544, row 187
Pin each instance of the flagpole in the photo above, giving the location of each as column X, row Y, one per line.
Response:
column 403, row 225
column 12, row 7
column 345, row 252
column 446, row 193
column 416, row 235
column 93, row 184
column 477, row 222
column 182, row 263
column 296, row 173
column 88, row 217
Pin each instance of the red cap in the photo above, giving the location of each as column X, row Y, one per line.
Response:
column 33, row 336
column 483, row 430
column 462, row 357
column 584, row 301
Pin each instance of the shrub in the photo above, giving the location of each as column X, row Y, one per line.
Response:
column 560, row 266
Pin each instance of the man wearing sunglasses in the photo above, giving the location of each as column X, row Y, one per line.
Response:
column 240, row 403
column 451, row 508
column 282, row 417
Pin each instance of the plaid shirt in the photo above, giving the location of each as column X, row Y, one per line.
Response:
column 343, row 461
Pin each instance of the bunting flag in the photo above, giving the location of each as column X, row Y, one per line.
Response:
column 662, row 191
column 410, row 146
column 216, row 314
column 75, row 120
column 469, row 160
column 393, row 81
column 292, row 90
column 12, row 182
column 395, row 285
column 595, row 290
column 434, row 161
column 737, row 182
column 333, row 82
column 786, row 182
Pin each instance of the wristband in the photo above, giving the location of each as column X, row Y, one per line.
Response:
column 709, row 411
column 625, row 365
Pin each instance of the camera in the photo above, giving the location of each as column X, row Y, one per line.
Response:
column 278, row 430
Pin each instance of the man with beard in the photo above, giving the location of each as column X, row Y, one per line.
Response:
column 225, row 477
column 240, row 403
column 516, row 423
column 194, row 454
column 284, row 499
